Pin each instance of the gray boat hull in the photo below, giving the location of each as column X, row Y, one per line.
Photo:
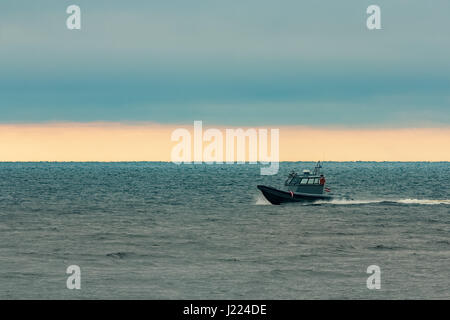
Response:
column 275, row 196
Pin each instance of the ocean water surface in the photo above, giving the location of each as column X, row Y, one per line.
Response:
column 164, row 231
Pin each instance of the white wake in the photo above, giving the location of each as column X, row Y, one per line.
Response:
column 370, row 201
column 261, row 201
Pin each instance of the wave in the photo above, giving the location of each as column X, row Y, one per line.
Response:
column 118, row 255
column 261, row 201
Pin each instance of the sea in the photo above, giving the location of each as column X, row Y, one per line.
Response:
column 156, row 230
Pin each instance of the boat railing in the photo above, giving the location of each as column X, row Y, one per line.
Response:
column 290, row 178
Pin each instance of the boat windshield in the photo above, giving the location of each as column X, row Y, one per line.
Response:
column 309, row 181
column 296, row 180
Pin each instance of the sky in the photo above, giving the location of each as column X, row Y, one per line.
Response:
column 303, row 64
column 144, row 142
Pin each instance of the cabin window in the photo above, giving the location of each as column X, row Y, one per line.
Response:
column 310, row 181
column 304, row 181
column 316, row 181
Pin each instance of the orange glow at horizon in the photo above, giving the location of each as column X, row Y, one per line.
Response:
column 152, row 142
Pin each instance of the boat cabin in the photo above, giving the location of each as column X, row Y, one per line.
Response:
column 306, row 183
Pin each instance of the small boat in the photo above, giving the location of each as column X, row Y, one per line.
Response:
column 308, row 187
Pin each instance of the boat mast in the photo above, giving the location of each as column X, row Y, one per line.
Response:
column 317, row 168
